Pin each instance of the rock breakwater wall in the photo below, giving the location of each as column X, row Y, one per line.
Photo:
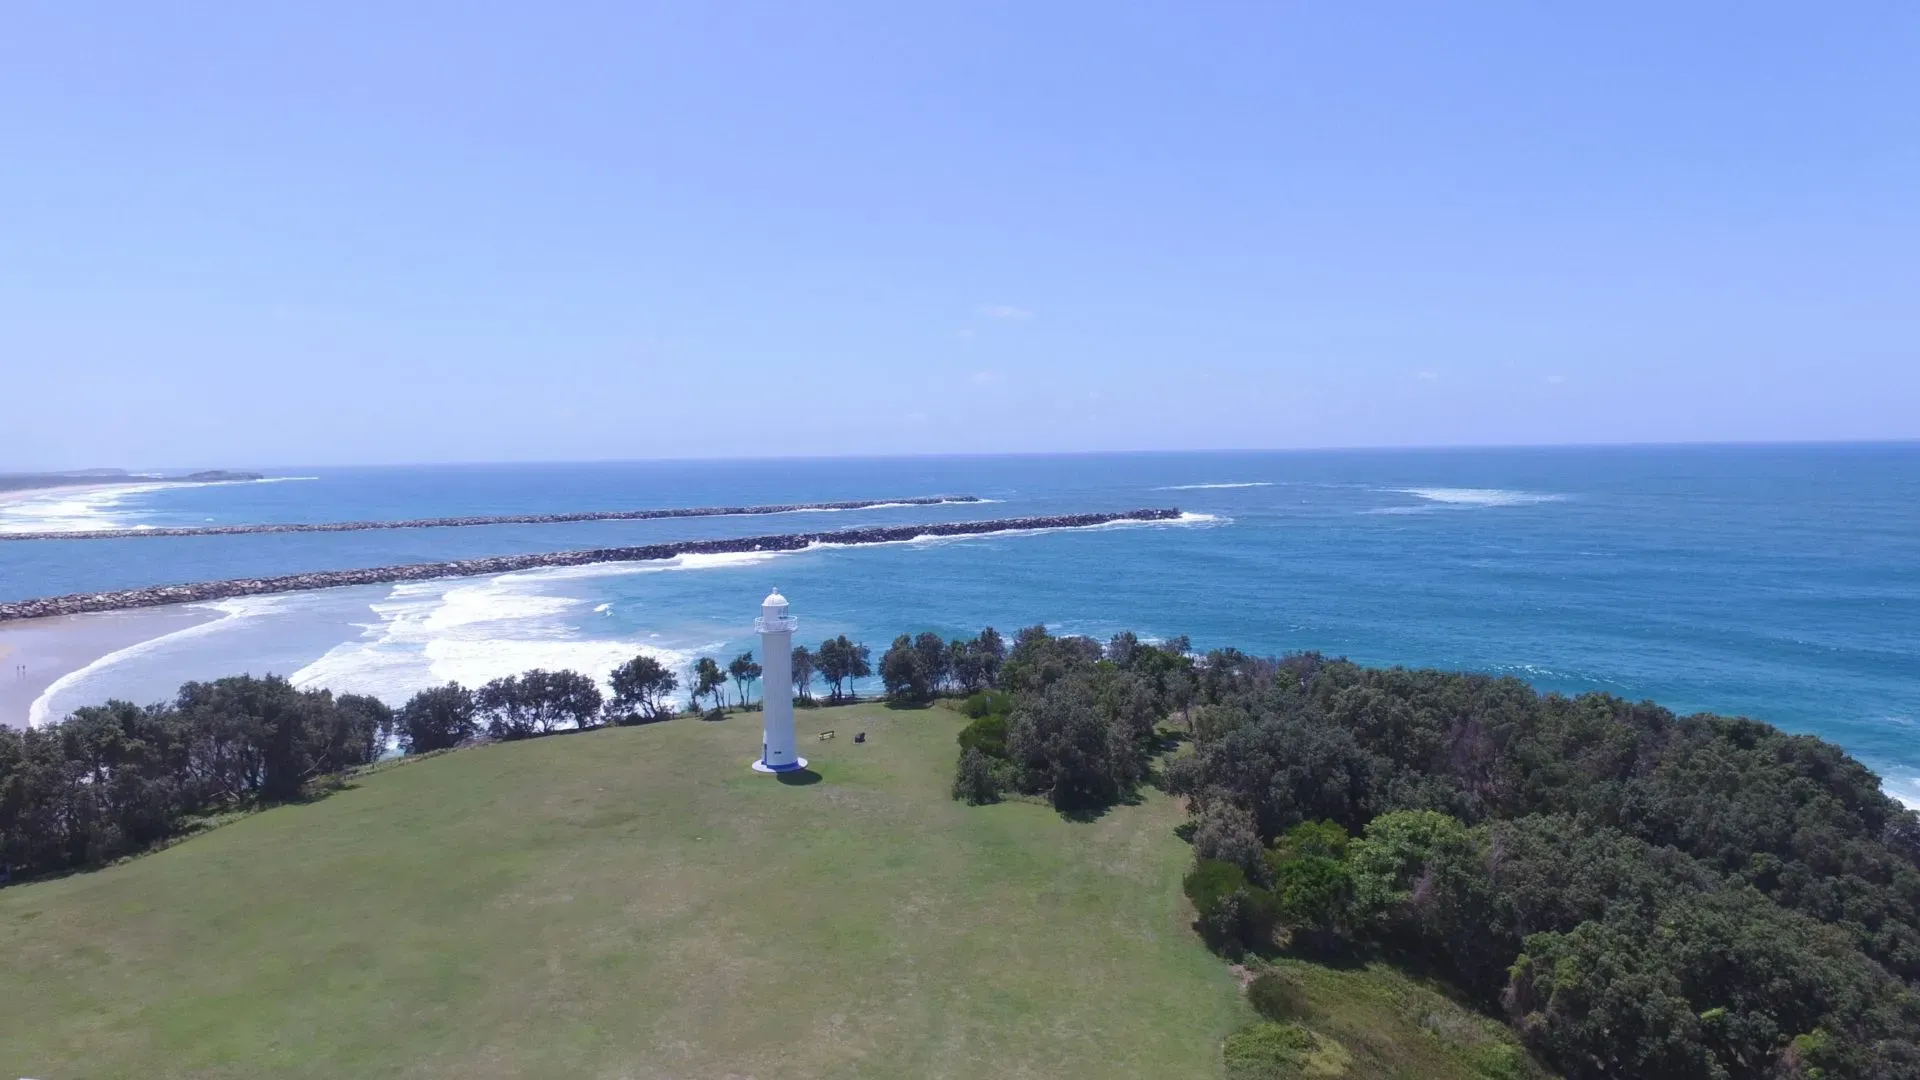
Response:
column 504, row 519
column 157, row 595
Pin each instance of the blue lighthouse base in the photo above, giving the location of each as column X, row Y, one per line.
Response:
column 761, row 765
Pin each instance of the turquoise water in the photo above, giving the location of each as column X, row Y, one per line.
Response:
column 1777, row 582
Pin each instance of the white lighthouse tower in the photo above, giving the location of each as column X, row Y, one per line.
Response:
column 776, row 627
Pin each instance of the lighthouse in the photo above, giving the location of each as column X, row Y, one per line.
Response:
column 776, row 627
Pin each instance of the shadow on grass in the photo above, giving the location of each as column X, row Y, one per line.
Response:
column 1096, row 811
column 798, row 777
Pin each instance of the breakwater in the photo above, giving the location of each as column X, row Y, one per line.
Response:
column 157, row 595
column 499, row 519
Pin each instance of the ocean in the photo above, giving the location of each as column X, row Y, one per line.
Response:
column 1778, row 582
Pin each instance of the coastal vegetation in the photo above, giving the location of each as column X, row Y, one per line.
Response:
column 1633, row 893
column 1639, row 894
column 633, row 901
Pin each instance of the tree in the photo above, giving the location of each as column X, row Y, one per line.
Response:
column 857, row 665
column 963, row 664
column 640, row 690
column 537, row 702
column 709, row 680
column 936, row 665
column 841, row 661
column 269, row 736
column 903, row 672
column 437, row 719
column 744, row 670
column 976, row 778
column 803, row 672
column 1068, row 751
column 360, row 728
column 1225, row 833
column 992, row 652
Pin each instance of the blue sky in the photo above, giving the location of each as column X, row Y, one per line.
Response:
column 240, row 234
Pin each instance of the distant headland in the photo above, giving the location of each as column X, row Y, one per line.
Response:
column 460, row 522
column 102, row 477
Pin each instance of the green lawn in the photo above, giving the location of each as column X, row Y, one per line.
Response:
column 630, row 903
column 637, row 903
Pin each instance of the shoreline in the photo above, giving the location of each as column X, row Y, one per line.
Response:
column 162, row 595
column 466, row 522
column 28, row 494
column 58, row 646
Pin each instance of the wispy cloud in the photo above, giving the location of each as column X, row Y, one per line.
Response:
column 1006, row 312
column 985, row 378
column 1427, row 376
column 1556, row 380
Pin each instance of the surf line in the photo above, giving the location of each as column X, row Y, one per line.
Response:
column 196, row 592
column 499, row 519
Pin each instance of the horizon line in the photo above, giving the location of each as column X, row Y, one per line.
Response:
column 1703, row 444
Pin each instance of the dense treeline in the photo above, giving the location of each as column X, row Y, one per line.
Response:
column 1068, row 720
column 1641, row 894
column 116, row 779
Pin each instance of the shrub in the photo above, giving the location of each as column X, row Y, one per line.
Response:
column 976, row 780
column 983, row 703
column 1211, row 881
column 1226, row 834
column 1234, row 915
column 988, row 735
column 714, row 714
column 1269, row 1051
column 1276, row 997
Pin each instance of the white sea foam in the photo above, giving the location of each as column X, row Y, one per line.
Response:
column 97, row 508
column 1906, row 793
column 239, row 608
column 470, row 631
column 693, row 561
column 1480, row 496
column 1211, row 487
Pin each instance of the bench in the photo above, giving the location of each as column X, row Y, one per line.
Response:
column 825, row 735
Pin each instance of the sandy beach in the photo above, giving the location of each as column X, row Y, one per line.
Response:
column 66, row 507
column 25, row 494
column 52, row 648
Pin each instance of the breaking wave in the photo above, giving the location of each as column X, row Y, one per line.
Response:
column 97, row 508
column 230, row 611
column 1450, row 496
column 425, row 634
column 1212, row 487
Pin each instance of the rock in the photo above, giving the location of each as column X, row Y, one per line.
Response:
column 157, row 595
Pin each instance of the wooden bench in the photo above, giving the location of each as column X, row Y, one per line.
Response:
column 825, row 735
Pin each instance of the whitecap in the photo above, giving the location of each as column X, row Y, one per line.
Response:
column 1213, row 487
column 1480, row 496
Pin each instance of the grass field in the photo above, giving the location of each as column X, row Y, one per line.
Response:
column 637, row 903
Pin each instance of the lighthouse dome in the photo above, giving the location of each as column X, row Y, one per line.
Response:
column 774, row 599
